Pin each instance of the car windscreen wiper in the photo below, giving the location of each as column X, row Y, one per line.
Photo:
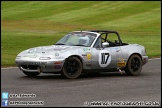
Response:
column 79, row 45
column 59, row 44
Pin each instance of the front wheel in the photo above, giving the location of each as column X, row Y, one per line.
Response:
column 72, row 68
column 134, row 65
column 31, row 74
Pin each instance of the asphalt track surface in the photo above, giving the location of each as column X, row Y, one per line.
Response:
column 55, row 91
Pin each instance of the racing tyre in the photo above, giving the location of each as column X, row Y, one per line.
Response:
column 134, row 65
column 72, row 68
column 31, row 74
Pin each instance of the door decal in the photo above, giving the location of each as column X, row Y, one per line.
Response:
column 104, row 58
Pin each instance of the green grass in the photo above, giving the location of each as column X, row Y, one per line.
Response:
column 26, row 24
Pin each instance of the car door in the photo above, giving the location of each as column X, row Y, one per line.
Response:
column 105, row 58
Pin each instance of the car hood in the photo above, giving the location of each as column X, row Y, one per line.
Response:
column 50, row 49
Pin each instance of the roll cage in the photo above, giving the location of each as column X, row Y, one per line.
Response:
column 106, row 32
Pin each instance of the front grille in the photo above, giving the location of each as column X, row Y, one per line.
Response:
column 30, row 63
column 32, row 67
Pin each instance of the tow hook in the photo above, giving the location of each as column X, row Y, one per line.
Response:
column 119, row 70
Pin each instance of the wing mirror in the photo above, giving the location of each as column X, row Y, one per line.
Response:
column 105, row 44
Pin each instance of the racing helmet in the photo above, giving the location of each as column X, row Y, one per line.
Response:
column 84, row 40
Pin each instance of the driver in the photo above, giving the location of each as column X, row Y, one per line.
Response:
column 84, row 40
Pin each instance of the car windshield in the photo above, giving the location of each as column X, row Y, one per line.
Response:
column 77, row 39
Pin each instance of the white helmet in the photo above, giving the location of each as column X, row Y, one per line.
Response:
column 84, row 40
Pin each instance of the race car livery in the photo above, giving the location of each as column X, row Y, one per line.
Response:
column 84, row 51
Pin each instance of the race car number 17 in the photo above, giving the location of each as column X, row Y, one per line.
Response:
column 104, row 58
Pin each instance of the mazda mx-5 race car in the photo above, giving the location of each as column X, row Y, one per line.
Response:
column 84, row 51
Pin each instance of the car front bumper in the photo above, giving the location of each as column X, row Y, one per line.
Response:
column 40, row 66
column 144, row 59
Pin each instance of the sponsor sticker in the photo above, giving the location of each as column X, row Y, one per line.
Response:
column 57, row 66
column 86, row 49
column 89, row 56
column 121, row 62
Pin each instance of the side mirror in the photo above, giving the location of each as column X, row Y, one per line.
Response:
column 105, row 44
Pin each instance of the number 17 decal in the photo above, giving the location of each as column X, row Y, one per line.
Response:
column 104, row 55
column 104, row 58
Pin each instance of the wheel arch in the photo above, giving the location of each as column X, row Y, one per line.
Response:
column 135, row 68
column 81, row 60
column 77, row 72
column 135, row 54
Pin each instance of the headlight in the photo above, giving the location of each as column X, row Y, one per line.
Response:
column 44, row 58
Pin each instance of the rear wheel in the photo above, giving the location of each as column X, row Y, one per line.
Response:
column 134, row 65
column 31, row 74
column 72, row 68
